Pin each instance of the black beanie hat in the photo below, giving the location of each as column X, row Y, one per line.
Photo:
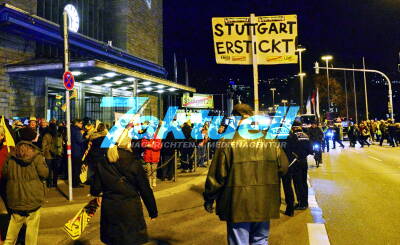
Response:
column 27, row 134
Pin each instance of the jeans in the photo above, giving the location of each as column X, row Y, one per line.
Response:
column 151, row 170
column 245, row 233
column 32, row 228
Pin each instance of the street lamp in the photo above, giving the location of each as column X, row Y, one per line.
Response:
column 327, row 58
column 284, row 103
column 273, row 95
column 301, row 49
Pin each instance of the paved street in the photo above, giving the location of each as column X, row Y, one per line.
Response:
column 358, row 191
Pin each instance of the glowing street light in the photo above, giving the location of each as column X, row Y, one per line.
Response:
column 273, row 95
column 327, row 58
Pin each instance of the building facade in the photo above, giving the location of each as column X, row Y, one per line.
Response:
column 118, row 45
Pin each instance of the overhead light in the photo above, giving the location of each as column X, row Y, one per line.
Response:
column 98, row 78
column 110, row 74
column 146, row 83
column 327, row 57
column 76, row 73
column 139, row 90
column 88, row 81
column 148, row 88
column 160, row 86
column 124, row 88
column 130, row 79
column 172, row 89
column 160, row 91
column 108, row 84
column 118, row 82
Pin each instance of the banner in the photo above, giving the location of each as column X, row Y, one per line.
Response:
column 198, row 101
column 275, row 39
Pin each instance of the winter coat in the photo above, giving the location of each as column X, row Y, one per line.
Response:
column 244, row 179
column 47, row 143
column 316, row 134
column 97, row 139
column 151, row 154
column 23, row 172
column 77, row 146
column 122, row 221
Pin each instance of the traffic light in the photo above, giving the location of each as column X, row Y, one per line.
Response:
column 316, row 67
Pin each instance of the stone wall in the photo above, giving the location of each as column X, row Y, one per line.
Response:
column 137, row 28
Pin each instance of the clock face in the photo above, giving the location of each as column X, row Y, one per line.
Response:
column 148, row 3
column 73, row 17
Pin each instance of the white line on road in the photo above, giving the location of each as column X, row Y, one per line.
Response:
column 375, row 158
column 317, row 234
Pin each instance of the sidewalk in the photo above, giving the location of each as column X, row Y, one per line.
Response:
column 57, row 198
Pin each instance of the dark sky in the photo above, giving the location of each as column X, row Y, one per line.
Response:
column 347, row 29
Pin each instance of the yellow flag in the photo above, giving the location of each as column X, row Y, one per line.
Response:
column 9, row 140
column 74, row 94
column 59, row 97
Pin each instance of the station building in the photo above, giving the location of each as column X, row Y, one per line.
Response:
column 113, row 45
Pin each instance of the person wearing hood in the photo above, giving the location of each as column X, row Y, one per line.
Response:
column 23, row 173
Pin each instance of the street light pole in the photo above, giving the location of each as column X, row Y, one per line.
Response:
column 327, row 58
column 301, row 75
column 273, row 95
column 355, row 95
column 345, row 90
column 365, row 91
column 390, row 93
column 66, row 68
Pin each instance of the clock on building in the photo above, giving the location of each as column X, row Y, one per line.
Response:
column 148, row 3
column 73, row 17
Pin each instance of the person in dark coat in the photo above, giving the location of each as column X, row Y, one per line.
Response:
column 77, row 149
column 167, row 154
column 244, row 181
column 186, row 149
column 123, row 183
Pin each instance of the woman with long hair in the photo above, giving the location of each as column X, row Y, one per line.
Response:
column 121, row 182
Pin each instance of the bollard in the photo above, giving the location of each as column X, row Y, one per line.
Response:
column 175, row 164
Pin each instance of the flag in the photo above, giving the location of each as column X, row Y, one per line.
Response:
column 59, row 97
column 308, row 106
column 9, row 140
column 72, row 96
column 77, row 225
column 175, row 69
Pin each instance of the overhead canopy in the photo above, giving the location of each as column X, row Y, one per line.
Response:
column 32, row 27
column 104, row 74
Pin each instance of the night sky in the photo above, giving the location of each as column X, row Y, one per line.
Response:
column 346, row 29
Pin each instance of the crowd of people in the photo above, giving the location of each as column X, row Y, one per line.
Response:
column 123, row 175
column 43, row 145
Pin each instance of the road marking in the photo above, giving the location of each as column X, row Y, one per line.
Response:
column 376, row 159
column 317, row 234
column 316, row 231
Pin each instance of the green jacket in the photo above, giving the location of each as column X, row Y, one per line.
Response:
column 23, row 172
column 244, row 179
